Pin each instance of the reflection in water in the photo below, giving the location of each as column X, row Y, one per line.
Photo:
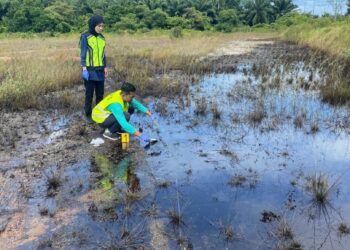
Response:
column 120, row 171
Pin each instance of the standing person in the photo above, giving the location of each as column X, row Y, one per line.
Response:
column 114, row 111
column 93, row 63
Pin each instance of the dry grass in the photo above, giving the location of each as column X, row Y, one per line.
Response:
column 237, row 180
column 227, row 231
column 30, row 69
column 336, row 93
column 256, row 116
column 201, row 106
column 53, row 183
column 343, row 230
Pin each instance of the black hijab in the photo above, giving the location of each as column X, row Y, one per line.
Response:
column 93, row 22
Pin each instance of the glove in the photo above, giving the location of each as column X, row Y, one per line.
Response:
column 144, row 137
column 85, row 75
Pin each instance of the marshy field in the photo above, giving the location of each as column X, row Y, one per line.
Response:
column 253, row 146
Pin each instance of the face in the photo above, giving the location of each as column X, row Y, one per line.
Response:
column 99, row 28
column 129, row 97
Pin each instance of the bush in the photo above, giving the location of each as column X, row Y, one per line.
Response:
column 225, row 27
column 228, row 16
column 128, row 22
column 197, row 20
column 156, row 19
column 177, row 21
column 176, row 32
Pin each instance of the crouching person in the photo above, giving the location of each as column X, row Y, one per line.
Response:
column 114, row 111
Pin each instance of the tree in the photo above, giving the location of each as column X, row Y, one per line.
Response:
column 348, row 8
column 282, row 7
column 258, row 11
column 4, row 7
column 233, row 4
column 336, row 5
column 177, row 21
column 154, row 4
column 128, row 22
column 156, row 19
column 115, row 13
column 176, row 7
column 197, row 20
column 141, row 11
column 227, row 19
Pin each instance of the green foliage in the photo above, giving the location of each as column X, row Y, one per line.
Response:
column 227, row 19
column 72, row 15
column 282, row 7
column 197, row 20
column 156, row 19
column 258, row 11
column 177, row 21
column 176, row 32
column 128, row 22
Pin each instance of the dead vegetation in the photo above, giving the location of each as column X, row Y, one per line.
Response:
column 201, row 106
column 283, row 237
column 227, row 232
column 343, row 230
column 228, row 153
column 53, row 183
column 256, row 116
column 237, row 180
column 175, row 218
column 299, row 120
column 215, row 110
column 163, row 184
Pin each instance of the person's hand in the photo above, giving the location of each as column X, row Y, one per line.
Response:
column 106, row 71
column 137, row 133
column 85, row 74
column 148, row 113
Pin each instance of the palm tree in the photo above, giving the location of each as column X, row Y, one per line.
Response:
column 233, row 4
column 258, row 11
column 201, row 5
column 154, row 4
column 282, row 7
column 176, row 7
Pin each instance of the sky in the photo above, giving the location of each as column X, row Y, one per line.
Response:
column 319, row 7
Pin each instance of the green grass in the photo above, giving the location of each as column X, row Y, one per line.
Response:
column 327, row 36
column 325, row 33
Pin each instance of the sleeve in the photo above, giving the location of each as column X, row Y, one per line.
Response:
column 83, row 49
column 137, row 105
column 118, row 113
column 104, row 59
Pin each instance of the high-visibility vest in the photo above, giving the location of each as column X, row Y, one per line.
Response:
column 100, row 112
column 95, row 52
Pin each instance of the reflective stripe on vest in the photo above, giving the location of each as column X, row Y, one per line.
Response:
column 95, row 52
column 100, row 112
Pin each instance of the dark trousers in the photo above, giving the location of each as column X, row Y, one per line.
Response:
column 112, row 123
column 90, row 87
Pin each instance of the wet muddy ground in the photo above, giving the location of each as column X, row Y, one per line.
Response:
column 250, row 158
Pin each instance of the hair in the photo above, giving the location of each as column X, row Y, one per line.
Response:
column 127, row 88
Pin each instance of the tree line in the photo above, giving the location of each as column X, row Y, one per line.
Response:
column 72, row 15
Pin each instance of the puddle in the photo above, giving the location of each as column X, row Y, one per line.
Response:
column 245, row 161
column 238, row 169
